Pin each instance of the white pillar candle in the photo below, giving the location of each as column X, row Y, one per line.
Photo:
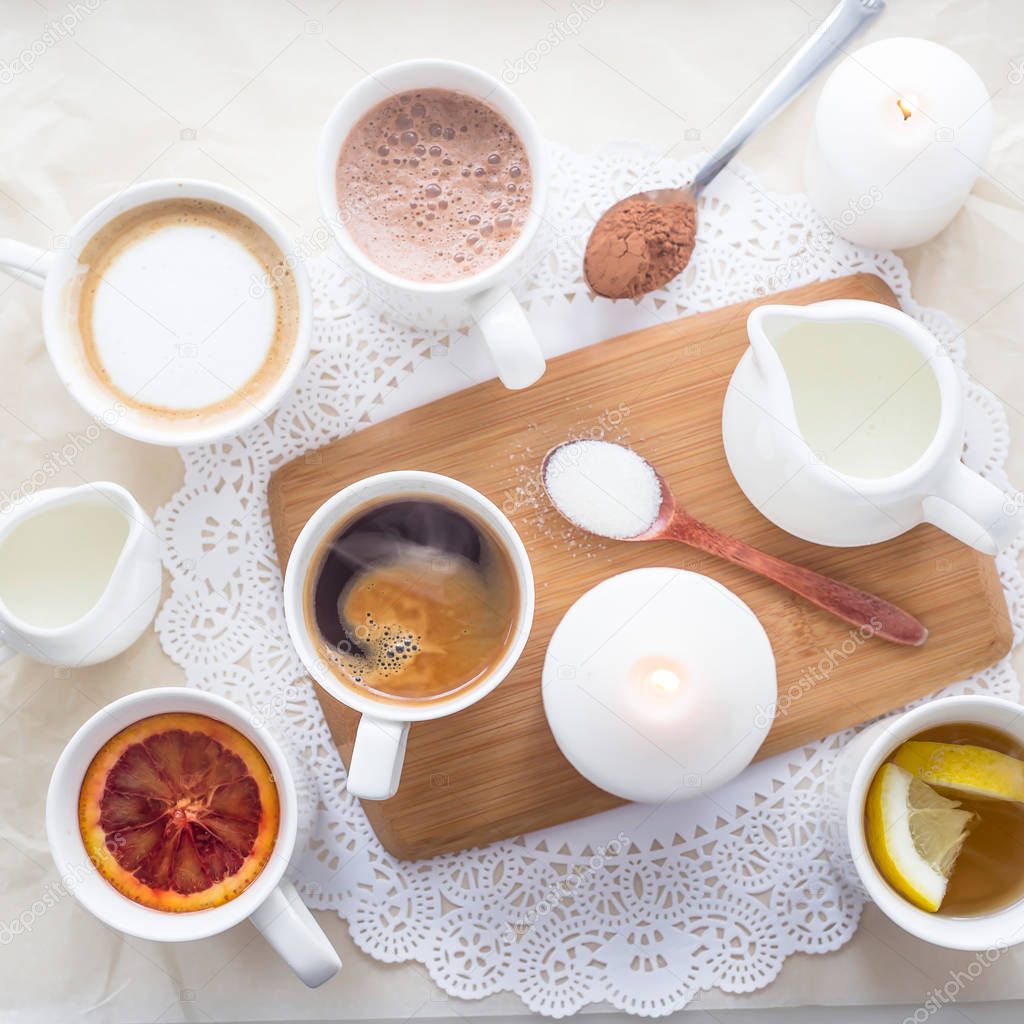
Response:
column 901, row 131
column 659, row 685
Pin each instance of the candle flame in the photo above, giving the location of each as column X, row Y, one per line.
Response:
column 904, row 108
column 665, row 679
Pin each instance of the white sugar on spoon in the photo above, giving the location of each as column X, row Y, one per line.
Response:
column 613, row 491
column 603, row 488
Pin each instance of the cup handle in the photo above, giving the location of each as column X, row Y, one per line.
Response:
column 25, row 262
column 513, row 345
column 287, row 924
column 377, row 758
column 973, row 510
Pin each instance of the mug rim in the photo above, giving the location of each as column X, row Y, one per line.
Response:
column 974, row 932
column 90, row 394
column 951, row 398
column 64, row 837
column 394, row 484
column 340, row 123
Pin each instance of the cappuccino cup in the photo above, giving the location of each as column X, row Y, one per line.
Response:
column 178, row 312
column 483, row 297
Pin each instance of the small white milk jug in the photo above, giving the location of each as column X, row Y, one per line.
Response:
column 843, row 424
column 80, row 574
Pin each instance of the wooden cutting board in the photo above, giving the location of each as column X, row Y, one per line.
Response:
column 493, row 770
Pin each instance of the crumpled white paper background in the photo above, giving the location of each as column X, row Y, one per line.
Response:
column 237, row 93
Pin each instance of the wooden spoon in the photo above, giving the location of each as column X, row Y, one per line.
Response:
column 857, row 607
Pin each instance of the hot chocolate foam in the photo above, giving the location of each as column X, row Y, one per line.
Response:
column 434, row 185
column 186, row 307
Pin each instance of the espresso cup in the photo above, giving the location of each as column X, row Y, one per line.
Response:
column 270, row 901
column 484, row 298
column 848, row 789
column 60, row 274
column 379, row 752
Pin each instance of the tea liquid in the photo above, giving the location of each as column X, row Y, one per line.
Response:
column 989, row 873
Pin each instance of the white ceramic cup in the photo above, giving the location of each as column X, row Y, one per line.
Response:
column 271, row 901
column 484, row 298
column 127, row 604
column 848, row 787
column 379, row 751
column 57, row 271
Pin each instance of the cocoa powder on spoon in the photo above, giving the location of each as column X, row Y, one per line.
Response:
column 643, row 241
column 639, row 245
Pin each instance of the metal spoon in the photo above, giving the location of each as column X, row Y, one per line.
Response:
column 848, row 18
column 857, row 607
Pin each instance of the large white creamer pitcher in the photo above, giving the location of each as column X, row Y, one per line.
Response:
column 844, row 425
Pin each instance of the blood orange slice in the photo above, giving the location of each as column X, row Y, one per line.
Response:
column 179, row 812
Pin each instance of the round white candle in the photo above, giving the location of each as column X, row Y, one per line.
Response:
column 902, row 129
column 659, row 685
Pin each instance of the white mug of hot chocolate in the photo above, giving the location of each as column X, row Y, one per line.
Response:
column 177, row 313
column 377, row 758
column 483, row 296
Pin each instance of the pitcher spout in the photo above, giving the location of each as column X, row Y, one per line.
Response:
column 118, row 497
column 764, row 326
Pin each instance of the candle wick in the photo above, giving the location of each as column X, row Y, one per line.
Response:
column 904, row 109
column 665, row 680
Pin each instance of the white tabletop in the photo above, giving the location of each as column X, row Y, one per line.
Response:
column 96, row 94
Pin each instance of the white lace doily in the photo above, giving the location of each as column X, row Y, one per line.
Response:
column 638, row 907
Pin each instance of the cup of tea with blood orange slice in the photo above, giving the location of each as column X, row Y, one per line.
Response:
column 172, row 816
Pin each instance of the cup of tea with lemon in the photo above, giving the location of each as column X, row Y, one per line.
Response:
column 933, row 808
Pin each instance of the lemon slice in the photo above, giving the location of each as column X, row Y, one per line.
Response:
column 914, row 834
column 972, row 771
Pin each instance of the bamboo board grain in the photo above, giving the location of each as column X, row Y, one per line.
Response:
column 494, row 770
